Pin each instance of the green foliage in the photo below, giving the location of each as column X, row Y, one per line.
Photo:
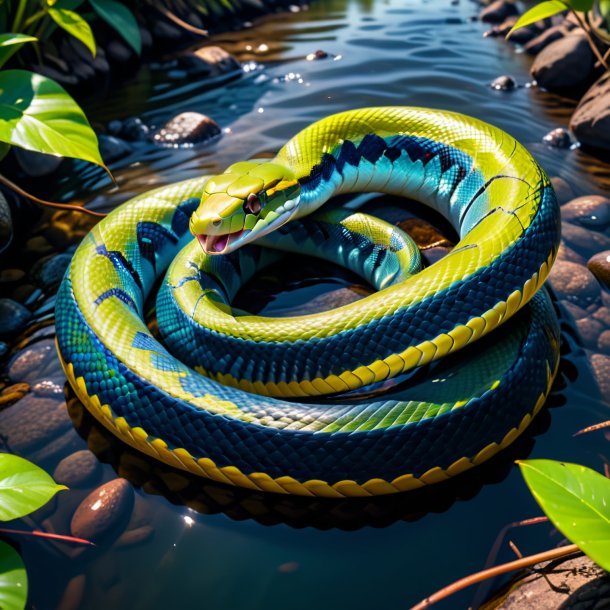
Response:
column 119, row 17
column 13, row 579
column 576, row 499
column 24, row 487
column 11, row 43
column 539, row 12
column 37, row 114
column 74, row 24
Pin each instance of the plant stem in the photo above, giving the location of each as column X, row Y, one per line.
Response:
column 38, row 534
column 518, row 564
column 33, row 19
column 19, row 16
column 592, row 44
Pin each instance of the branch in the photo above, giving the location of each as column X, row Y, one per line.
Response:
column 518, row 564
column 592, row 44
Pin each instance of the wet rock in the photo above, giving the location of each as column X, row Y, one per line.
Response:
column 63, row 78
column 13, row 316
column 6, row 223
column 114, row 127
column 590, row 122
column 78, row 470
column 209, row 61
column 166, row 33
column 48, row 389
column 535, row 45
column 603, row 343
column 558, row 138
column 498, row 11
column 504, row 83
column 112, row 148
column 589, row 330
column 599, row 265
column 572, row 584
column 119, row 52
column 72, row 597
column 574, row 283
column 36, row 164
column 520, row 36
column 578, row 313
column 188, row 129
column 49, row 272
column 39, row 245
column 585, row 242
column 103, row 511
column 562, row 189
column 600, row 365
column 134, row 130
column 316, row 55
column 590, row 211
column 423, row 233
column 33, row 421
column 134, row 537
column 565, row 65
column 32, row 362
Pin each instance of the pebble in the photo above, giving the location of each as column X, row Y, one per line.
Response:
column 504, row 83
column 29, row 364
column 319, row 54
column 603, row 315
column 9, row 276
column 209, row 60
column 558, row 138
column 134, row 130
column 13, row 316
column 590, row 211
column 135, row 536
column 574, row 283
column 590, row 331
column 498, row 11
column 113, row 148
column 103, row 511
column 78, row 470
column 603, row 343
column 600, row 364
column 36, row 164
column 39, row 245
column 73, row 594
column 535, row 45
column 48, row 389
column 188, row 129
column 424, row 234
column 587, row 243
column 49, row 272
column 565, row 253
column 599, row 265
column 562, row 189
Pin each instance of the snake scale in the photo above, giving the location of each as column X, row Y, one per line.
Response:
column 288, row 405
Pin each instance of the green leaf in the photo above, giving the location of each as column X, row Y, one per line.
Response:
column 604, row 8
column 577, row 500
column 37, row 114
column 13, row 579
column 24, row 487
column 75, row 25
column 11, row 43
column 538, row 12
column 119, row 17
column 582, row 6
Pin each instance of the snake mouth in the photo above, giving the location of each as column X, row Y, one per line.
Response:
column 218, row 244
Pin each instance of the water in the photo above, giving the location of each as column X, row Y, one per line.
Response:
column 236, row 551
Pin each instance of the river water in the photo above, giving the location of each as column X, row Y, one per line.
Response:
column 226, row 551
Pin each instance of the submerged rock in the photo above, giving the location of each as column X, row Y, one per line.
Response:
column 504, row 83
column 574, row 283
column 78, row 470
column 535, row 45
column 210, row 61
column 565, row 65
column 498, row 11
column 599, row 265
column 558, row 138
column 29, row 364
column 49, row 272
column 135, row 130
column 113, row 148
column 591, row 119
column 13, row 316
column 589, row 211
column 188, row 129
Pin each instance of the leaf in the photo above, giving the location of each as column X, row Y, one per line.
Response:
column 538, row 12
column 75, row 25
column 577, row 500
column 24, row 487
column 11, row 43
column 37, row 114
column 119, row 17
column 13, row 579
column 582, row 6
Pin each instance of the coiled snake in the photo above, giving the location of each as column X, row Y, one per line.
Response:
column 231, row 396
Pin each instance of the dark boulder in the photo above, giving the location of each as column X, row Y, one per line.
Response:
column 590, row 122
column 188, row 129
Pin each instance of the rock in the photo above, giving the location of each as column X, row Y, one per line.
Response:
column 520, row 36
column 188, row 129
column 599, row 266
column 590, row 212
column 78, row 470
column 48, row 389
column 10, row 276
column 39, row 245
column 423, row 233
column 13, row 316
column 600, row 364
column 114, row 127
column 558, row 138
column 134, row 130
column 535, row 45
column 565, row 65
column 603, row 315
column 63, row 78
column 574, row 283
column 562, row 189
column 6, row 223
column 210, row 60
column 103, row 511
column 504, row 83
column 165, row 32
column 603, row 342
column 72, row 597
column 574, row 584
column 587, row 243
column 135, row 536
column 49, row 272
column 498, row 11
column 29, row 364
column 119, row 52
column 112, row 148
column 589, row 330
column 317, row 55
column 590, row 122
column 36, row 164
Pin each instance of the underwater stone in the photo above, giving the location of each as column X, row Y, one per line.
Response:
column 49, row 272
column 591, row 119
column 112, row 148
column 13, row 316
column 590, row 211
column 599, row 265
column 589, row 330
column 79, row 469
column 29, row 364
column 134, row 130
column 48, row 389
column 503, row 83
column 498, row 11
column 574, row 283
column 187, row 129
column 562, row 189
column 585, row 242
column 558, row 138
column 208, row 60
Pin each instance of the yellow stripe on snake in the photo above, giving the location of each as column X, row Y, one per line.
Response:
column 230, row 396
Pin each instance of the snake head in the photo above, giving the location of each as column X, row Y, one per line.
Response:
column 246, row 202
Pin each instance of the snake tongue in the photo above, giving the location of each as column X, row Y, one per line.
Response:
column 216, row 244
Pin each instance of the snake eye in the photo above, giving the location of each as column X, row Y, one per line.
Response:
column 252, row 205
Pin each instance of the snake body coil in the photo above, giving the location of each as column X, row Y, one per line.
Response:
column 200, row 412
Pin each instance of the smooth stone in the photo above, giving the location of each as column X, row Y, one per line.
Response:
column 317, row 55
column 134, row 537
column 49, row 272
column 103, row 511
column 78, row 470
column 564, row 65
column 600, row 364
column 584, row 241
column 114, row 127
column 424, row 234
column 187, row 129
column 503, row 83
column 599, row 266
column 603, row 314
column 562, row 189
column 112, row 148
column 6, row 223
column 36, row 164
column 535, row 45
column 502, row 29
column 210, row 60
column 29, row 364
column 603, row 342
column 134, row 130
column 589, row 330
column 13, row 316
column 574, row 283
column 575, row 584
column 33, row 421
column 590, row 211
column 72, row 597
column 48, row 389
column 39, row 245
column 558, row 138
column 590, row 122
column 498, row 11
column 578, row 313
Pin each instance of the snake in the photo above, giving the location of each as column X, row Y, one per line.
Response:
column 433, row 373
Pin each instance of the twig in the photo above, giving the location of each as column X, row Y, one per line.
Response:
column 518, row 564
column 183, row 24
column 515, row 549
column 592, row 44
column 60, row 206
column 38, row 534
column 593, row 428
